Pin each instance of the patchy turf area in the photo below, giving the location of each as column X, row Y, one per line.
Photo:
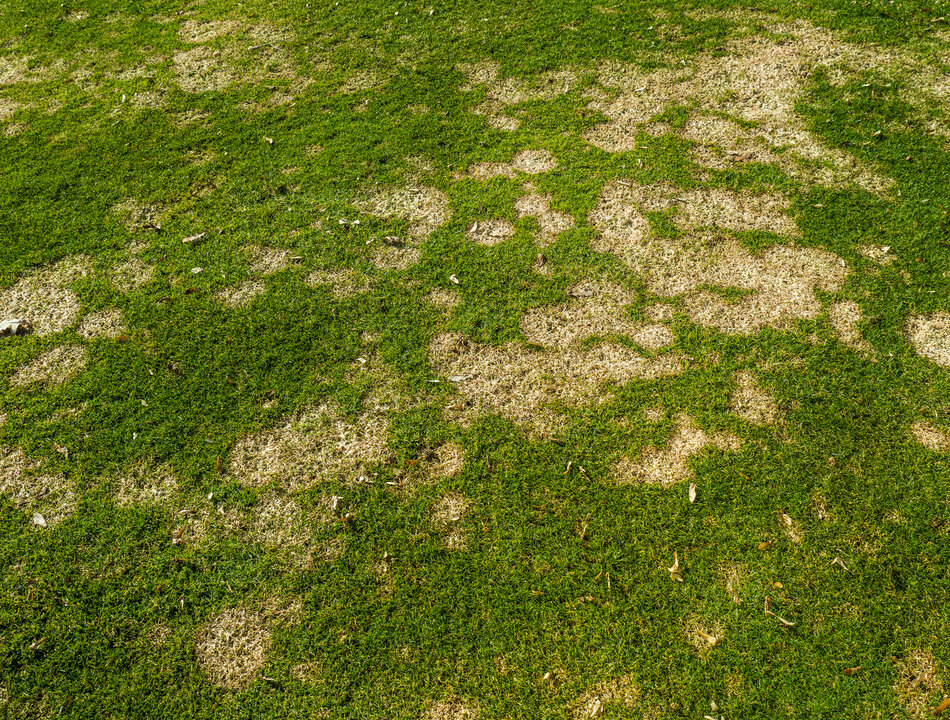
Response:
column 475, row 360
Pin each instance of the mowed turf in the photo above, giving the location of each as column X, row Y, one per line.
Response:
column 467, row 360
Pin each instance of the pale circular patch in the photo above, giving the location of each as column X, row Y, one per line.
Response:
column 53, row 367
column 930, row 336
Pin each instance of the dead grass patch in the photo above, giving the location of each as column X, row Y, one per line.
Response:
column 48, row 498
column 551, row 223
column 534, row 162
column 232, row 646
column 671, row 466
column 659, row 313
column 138, row 216
column 490, row 232
column 131, row 275
column 424, row 208
column 844, row 318
column 267, row 260
column 42, row 296
column 105, row 324
column 930, row 336
column 391, row 256
column 279, row 523
column 757, row 80
column 305, row 672
column 241, row 294
column 620, row 693
column 443, row 298
column 526, row 385
column 596, row 309
column 53, row 367
column 881, row 254
column 732, row 578
column 753, row 404
column 188, row 118
column 16, row 70
column 919, row 686
column 931, row 437
column 446, row 514
column 202, row 69
column 702, row 635
column 146, row 483
column 342, row 284
column 199, row 31
column 780, row 281
column 8, row 108
column 363, row 80
column 792, row 529
column 312, row 445
column 452, row 709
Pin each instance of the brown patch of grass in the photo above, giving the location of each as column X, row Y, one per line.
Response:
column 931, row 437
column 8, row 108
column 596, row 309
column 241, row 294
column 757, row 80
column 490, row 232
column 930, row 336
column 43, row 297
column 654, row 414
column 305, row 672
column 108, row 324
column 392, row 256
column 14, row 129
column 732, row 579
column 659, row 313
column 919, row 685
column 53, row 367
column 280, row 524
column 445, row 516
column 703, row 636
column 844, row 318
column 443, row 298
column 551, row 223
column 534, row 162
column 312, row 445
column 425, row 208
column 452, row 709
column 881, row 254
column 232, row 646
column 15, row 70
column 524, row 384
column 199, row 31
column 33, row 491
column 130, row 275
column 341, row 283
column 189, row 117
column 671, row 466
column 146, row 483
column 202, row 69
column 792, row 530
column 780, row 281
column 137, row 216
column 753, row 404
column 617, row 693
column 363, row 80
column 267, row 260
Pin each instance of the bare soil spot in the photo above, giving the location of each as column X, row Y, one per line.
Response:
column 232, row 647
column 34, row 492
column 452, row 709
column 146, row 483
column 753, row 404
column 596, row 309
column 490, row 232
column 524, row 384
column 931, row 437
column 779, row 282
column 703, row 636
column 424, row 208
column 671, row 466
column 930, row 336
column 42, row 296
column 105, row 324
column 310, row 446
column 844, row 318
column 342, row 284
column 919, row 686
column 619, row 693
column 53, row 367
column 551, row 223
column 241, row 294
column 131, row 275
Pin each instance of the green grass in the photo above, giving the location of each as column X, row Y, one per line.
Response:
column 548, row 527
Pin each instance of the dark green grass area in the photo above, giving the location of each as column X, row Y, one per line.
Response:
column 565, row 570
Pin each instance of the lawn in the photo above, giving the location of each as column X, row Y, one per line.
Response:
column 467, row 360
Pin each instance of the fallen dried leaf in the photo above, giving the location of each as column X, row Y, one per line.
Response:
column 765, row 545
column 675, row 568
column 193, row 238
column 38, row 520
column 839, row 562
column 692, row 492
column 942, row 706
column 15, row 327
column 269, row 141
column 851, row 671
column 454, row 279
